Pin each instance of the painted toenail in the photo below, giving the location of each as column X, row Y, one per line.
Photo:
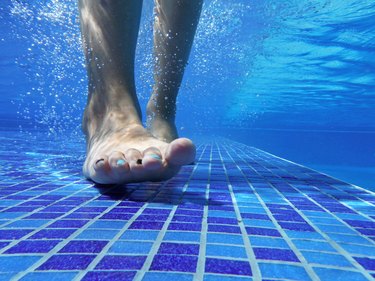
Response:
column 120, row 162
column 155, row 156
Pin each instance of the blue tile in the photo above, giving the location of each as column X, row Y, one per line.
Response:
column 182, row 236
column 224, row 238
column 252, row 210
column 327, row 274
column 55, row 276
column 225, row 251
column 358, row 249
column 166, row 276
column 313, row 245
column 131, row 247
column 304, row 235
column 260, row 223
column 27, row 223
column 139, row 235
column 326, row 259
column 6, row 276
column 17, row 263
column 215, row 213
column 268, row 242
column 336, row 229
column 211, row 277
column 349, row 239
column 12, row 215
column 107, row 224
column 283, row 271
column 109, row 275
column 97, row 234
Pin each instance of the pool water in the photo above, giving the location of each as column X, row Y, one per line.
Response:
column 278, row 97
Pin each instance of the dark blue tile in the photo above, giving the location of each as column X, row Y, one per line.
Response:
column 121, row 262
column 109, row 275
column 367, row 263
column 179, row 249
column 275, row 254
column 84, row 246
column 53, row 234
column 67, row 262
column 222, row 266
column 174, row 263
column 68, row 224
column 33, row 246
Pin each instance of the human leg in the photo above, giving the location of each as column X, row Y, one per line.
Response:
column 174, row 29
column 119, row 149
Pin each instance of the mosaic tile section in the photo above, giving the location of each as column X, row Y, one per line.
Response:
column 238, row 214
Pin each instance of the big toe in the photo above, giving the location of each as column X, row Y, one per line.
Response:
column 180, row 152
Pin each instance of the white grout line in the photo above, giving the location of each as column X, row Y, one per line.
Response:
column 248, row 248
column 296, row 251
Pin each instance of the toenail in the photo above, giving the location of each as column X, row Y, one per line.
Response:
column 99, row 161
column 155, row 156
column 120, row 162
column 139, row 161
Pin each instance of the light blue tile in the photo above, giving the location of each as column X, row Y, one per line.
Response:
column 268, row 242
column 313, row 245
column 252, row 210
column 349, row 239
column 156, row 276
column 99, row 203
column 99, row 234
column 211, row 277
column 259, row 223
column 215, row 250
column 11, row 215
column 352, row 217
column 182, row 236
column 326, row 274
column 55, row 276
column 8, row 203
column 330, row 221
column 108, row 224
column 317, row 214
column 17, row 263
column 139, row 235
column 131, row 247
column 224, row 238
column 226, row 214
column 283, row 271
column 159, row 205
column 6, row 276
column 336, row 229
column 359, row 249
column 326, row 259
column 28, row 223
column 304, row 235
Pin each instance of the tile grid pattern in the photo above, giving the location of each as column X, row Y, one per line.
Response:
column 237, row 213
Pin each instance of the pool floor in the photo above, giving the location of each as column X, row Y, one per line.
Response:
column 237, row 214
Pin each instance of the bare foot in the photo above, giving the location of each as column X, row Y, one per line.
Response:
column 129, row 153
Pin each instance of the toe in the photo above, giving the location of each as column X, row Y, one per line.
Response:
column 101, row 165
column 180, row 152
column 118, row 164
column 152, row 159
column 134, row 158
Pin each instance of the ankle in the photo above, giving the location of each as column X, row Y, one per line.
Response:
column 160, row 112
